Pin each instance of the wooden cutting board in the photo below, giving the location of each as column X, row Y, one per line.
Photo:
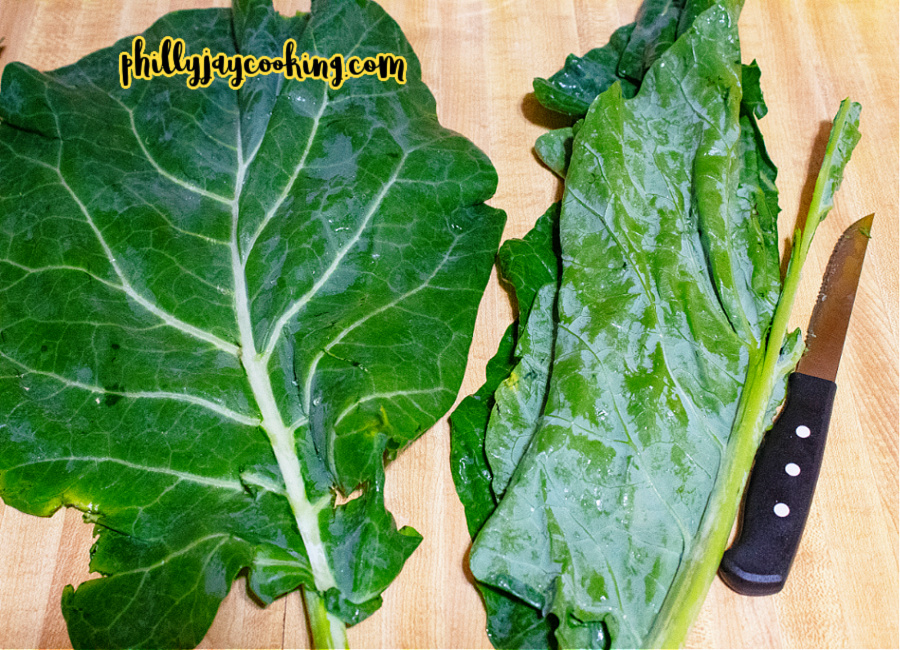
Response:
column 479, row 57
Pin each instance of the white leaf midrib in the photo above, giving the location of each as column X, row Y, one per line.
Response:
column 281, row 436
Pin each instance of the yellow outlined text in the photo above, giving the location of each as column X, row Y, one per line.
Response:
column 202, row 69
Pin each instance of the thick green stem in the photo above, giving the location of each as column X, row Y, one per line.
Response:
column 688, row 593
column 685, row 598
column 327, row 630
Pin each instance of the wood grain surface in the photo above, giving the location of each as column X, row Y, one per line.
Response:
column 479, row 57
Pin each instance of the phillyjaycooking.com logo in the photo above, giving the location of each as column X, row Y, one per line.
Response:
column 202, row 69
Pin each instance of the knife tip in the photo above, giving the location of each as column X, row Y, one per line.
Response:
column 864, row 225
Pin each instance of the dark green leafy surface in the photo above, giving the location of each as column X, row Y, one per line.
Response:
column 655, row 29
column 526, row 265
column 666, row 366
column 469, row 420
column 220, row 309
column 530, row 267
column 640, row 324
column 630, row 53
column 554, row 148
column 572, row 89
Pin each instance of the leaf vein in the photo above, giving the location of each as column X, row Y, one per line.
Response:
column 218, row 409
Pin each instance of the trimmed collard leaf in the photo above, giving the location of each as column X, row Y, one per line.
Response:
column 572, row 89
column 627, row 57
column 529, row 266
column 610, row 496
column 526, row 266
column 220, row 310
column 669, row 355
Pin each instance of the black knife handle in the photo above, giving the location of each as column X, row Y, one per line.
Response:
column 780, row 490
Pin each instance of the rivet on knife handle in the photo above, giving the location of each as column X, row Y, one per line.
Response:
column 781, row 490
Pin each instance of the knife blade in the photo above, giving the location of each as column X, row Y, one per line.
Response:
column 784, row 475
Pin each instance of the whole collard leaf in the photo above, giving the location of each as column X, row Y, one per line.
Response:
column 220, row 310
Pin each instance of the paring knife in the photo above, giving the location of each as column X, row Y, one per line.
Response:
column 780, row 490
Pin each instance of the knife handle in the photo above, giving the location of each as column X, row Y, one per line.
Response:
column 780, row 490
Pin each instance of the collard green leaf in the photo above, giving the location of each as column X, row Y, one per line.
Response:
column 572, row 89
column 554, row 148
column 219, row 310
column 530, row 267
column 526, row 265
column 669, row 285
column 468, row 422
